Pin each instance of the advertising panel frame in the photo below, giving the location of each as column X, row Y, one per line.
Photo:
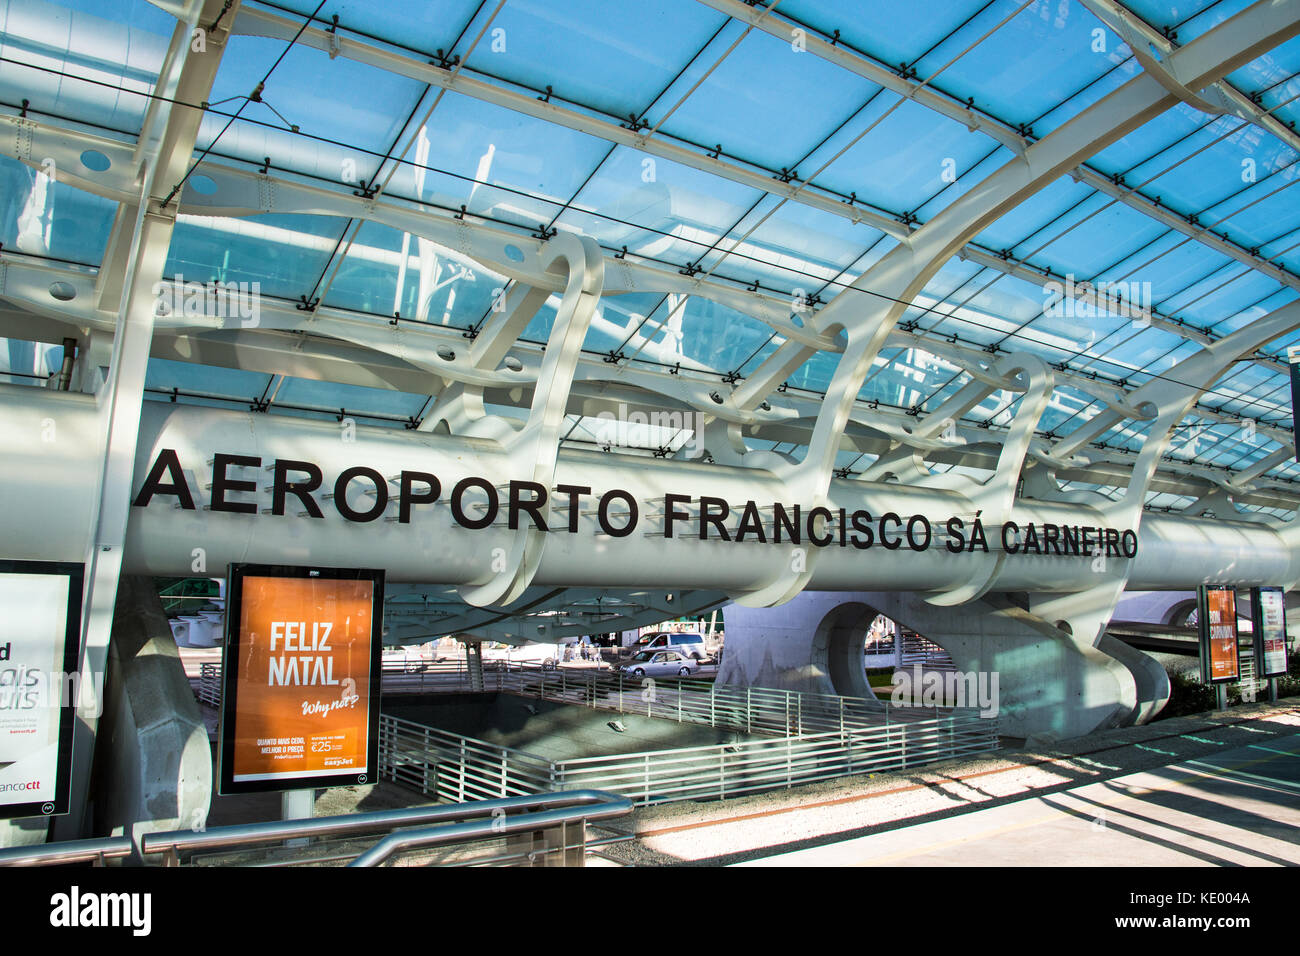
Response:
column 75, row 573
column 228, row 728
column 1206, row 638
column 1260, row 637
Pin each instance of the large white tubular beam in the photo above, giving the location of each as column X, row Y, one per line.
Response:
column 434, row 546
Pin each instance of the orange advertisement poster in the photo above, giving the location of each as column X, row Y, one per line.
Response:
column 299, row 681
column 1221, row 619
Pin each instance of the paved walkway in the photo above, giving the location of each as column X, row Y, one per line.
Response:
column 1237, row 808
column 1173, row 792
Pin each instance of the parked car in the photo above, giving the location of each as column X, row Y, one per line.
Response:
column 689, row 643
column 658, row 664
column 548, row 655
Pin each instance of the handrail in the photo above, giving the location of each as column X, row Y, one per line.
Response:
column 403, row 725
column 72, row 851
column 248, row 834
column 595, row 805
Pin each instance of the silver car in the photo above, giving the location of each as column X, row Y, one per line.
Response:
column 659, row 664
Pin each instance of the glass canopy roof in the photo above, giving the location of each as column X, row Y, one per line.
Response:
column 1195, row 214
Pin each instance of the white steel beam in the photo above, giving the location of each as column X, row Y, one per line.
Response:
column 119, row 401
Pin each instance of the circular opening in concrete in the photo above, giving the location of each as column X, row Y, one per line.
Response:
column 63, row 291
column 918, row 667
column 837, row 650
column 864, row 653
column 95, row 161
column 446, row 354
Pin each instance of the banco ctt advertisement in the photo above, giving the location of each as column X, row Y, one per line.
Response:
column 301, row 678
column 1217, row 614
column 40, row 639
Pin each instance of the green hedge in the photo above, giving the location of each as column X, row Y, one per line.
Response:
column 1189, row 696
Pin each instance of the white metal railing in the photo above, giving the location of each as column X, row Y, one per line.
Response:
column 209, row 687
column 728, row 770
column 748, row 709
column 916, row 649
column 452, row 767
column 846, row 739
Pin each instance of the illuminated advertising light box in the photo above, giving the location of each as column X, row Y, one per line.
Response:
column 1269, row 613
column 40, row 639
column 300, row 678
column 1217, row 619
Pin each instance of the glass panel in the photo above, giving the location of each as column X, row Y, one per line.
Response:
column 424, row 25
column 578, row 47
column 790, row 247
column 356, row 399
column 1066, row 410
column 1028, row 66
column 51, row 219
column 1169, row 264
column 28, row 363
column 285, row 254
column 756, row 122
column 337, row 101
column 1210, row 16
column 875, row 27
column 1168, row 13
column 1206, row 167
column 900, row 164
column 92, row 64
column 1220, row 300
column 1147, row 143
column 657, row 208
column 207, row 380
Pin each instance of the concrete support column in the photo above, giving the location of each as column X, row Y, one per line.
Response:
column 1044, row 682
column 153, row 767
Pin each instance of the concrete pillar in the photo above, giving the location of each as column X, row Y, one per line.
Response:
column 1048, row 684
column 153, row 762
